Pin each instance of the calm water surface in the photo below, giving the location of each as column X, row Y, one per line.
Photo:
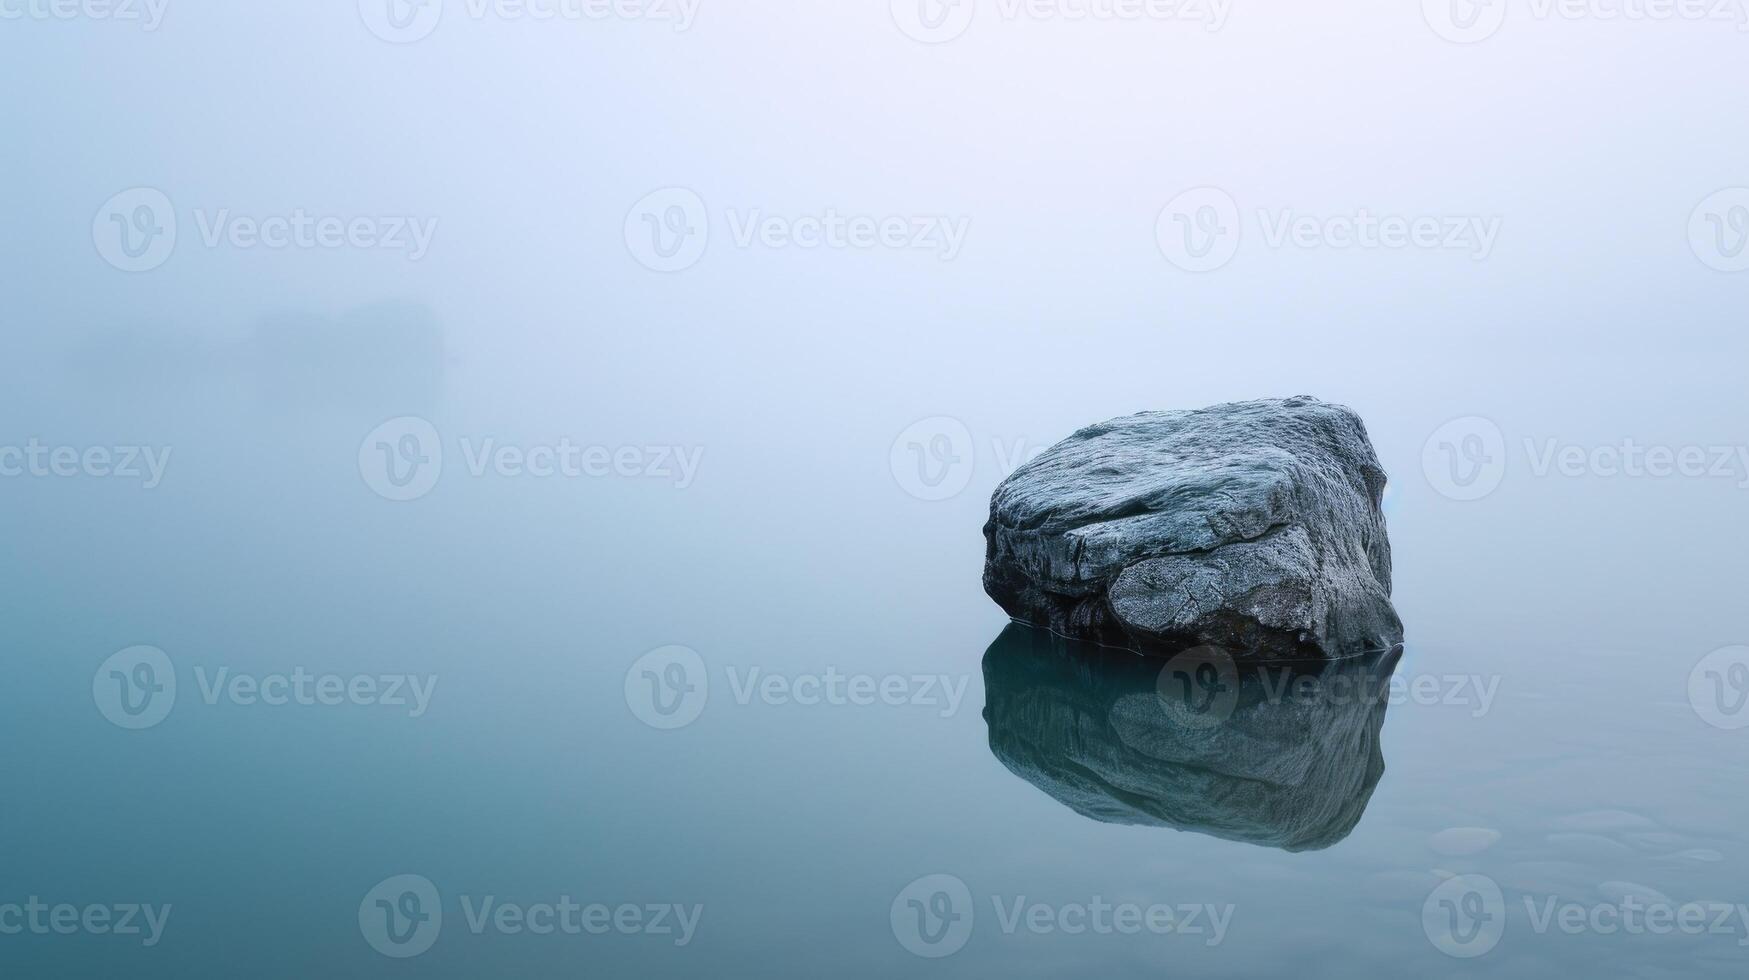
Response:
column 854, row 760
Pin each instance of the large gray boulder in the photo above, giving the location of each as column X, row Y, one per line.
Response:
column 1255, row 526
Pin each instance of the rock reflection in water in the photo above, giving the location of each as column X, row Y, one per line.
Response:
column 1279, row 756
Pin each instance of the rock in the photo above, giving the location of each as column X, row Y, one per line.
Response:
column 1253, row 526
column 1280, row 758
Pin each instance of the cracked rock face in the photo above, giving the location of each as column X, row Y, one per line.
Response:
column 1254, row 526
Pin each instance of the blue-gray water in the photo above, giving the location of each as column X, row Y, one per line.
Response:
column 1564, row 726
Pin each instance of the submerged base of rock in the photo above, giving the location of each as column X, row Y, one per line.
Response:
column 1253, row 526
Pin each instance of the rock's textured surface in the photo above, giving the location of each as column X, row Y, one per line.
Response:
column 1255, row 526
column 1278, row 756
